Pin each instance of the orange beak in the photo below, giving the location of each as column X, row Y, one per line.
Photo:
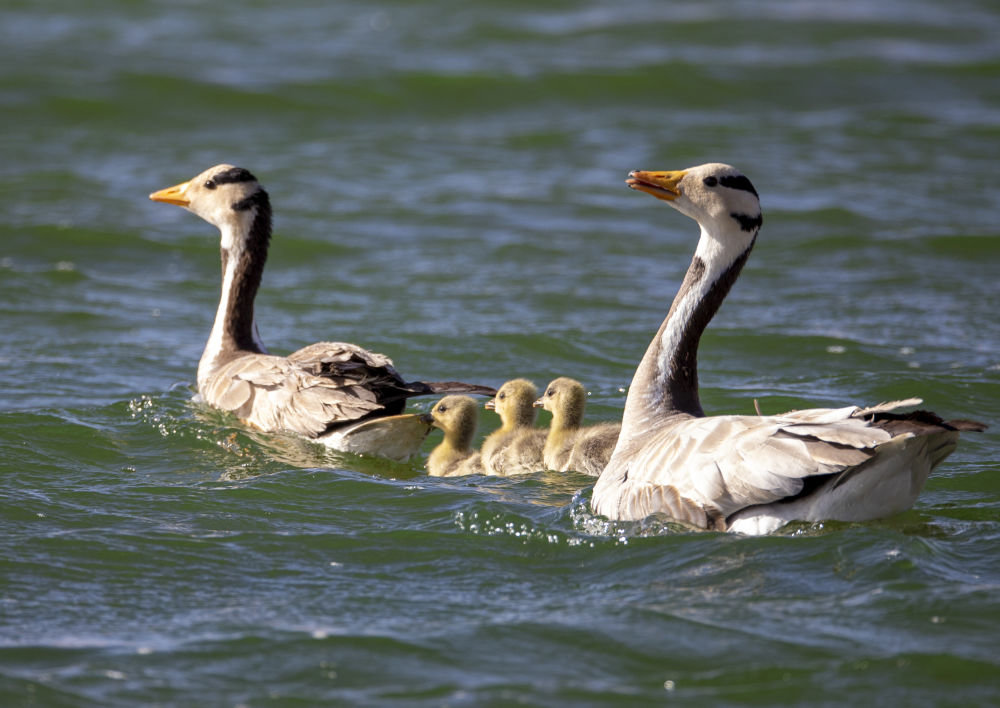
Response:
column 662, row 185
column 172, row 195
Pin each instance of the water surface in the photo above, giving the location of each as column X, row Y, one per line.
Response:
column 448, row 188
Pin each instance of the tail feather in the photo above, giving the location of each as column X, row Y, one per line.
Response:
column 423, row 388
column 922, row 422
column 973, row 426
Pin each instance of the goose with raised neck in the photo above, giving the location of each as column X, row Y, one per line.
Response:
column 336, row 393
column 740, row 473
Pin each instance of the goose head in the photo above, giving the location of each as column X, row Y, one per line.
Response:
column 230, row 198
column 457, row 417
column 514, row 403
column 720, row 198
column 565, row 399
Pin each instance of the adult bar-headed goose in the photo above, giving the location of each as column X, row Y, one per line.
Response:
column 749, row 474
column 569, row 445
column 339, row 394
column 516, row 446
column 457, row 417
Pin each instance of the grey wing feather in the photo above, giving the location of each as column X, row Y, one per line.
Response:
column 308, row 392
column 726, row 463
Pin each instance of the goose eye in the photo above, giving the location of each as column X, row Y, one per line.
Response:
column 710, row 181
column 442, row 409
column 210, row 184
column 502, row 396
column 550, row 392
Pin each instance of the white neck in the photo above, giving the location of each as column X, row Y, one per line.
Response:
column 715, row 259
column 666, row 380
column 219, row 347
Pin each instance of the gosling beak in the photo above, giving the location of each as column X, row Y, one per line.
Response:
column 491, row 405
column 540, row 403
column 172, row 195
column 662, row 185
column 427, row 419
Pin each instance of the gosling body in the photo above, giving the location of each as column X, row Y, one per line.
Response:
column 516, row 447
column 569, row 445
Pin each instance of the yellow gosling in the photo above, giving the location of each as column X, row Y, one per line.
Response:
column 516, row 446
column 569, row 445
column 457, row 417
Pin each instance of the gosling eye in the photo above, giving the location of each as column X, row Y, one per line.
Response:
column 210, row 184
column 442, row 409
column 502, row 396
column 550, row 392
column 710, row 181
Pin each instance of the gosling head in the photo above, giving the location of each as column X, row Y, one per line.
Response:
column 514, row 403
column 717, row 196
column 457, row 416
column 228, row 197
column 565, row 399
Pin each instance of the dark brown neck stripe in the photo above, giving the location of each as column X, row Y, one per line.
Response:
column 249, row 270
column 682, row 378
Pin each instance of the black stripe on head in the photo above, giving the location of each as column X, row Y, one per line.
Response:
column 738, row 182
column 233, row 174
column 748, row 223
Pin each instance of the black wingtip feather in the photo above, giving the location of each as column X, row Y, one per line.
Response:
column 457, row 387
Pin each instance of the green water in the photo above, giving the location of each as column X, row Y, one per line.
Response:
column 448, row 185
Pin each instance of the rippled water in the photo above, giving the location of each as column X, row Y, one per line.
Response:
column 448, row 188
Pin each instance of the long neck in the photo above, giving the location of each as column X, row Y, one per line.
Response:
column 244, row 252
column 666, row 381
